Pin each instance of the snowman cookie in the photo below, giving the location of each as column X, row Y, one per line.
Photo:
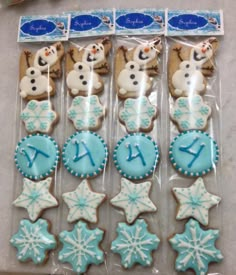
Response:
column 34, row 85
column 83, row 81
column 189, row 66
column 94, row 55
column 132, row 82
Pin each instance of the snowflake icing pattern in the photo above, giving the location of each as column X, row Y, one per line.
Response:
column 86, row 112
column 81, row 247
column 138, row 114
column 38, row 116
column 134, row 244
column 190, row 113
column 33, row 241
column 196, row 248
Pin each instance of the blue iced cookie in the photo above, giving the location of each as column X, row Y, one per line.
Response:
column 85, row 154
column 194, row 153
column 33, row 241
column 196, row 248
column 136, row 156
column 81, row 247
column 134, row 244
column 36, row 156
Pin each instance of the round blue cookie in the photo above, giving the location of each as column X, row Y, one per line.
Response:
column 136, row 156
column 36, row 156
column 194, row 153
column 85, row 154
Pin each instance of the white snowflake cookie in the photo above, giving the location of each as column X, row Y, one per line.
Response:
column 36, row 197
column 82, row 80
column 190, row 113
column 138, row 114
column 133, row 82
column 195, row 202
column 134, row 199
column 83, row 203
column 86, row 113
column 39, row 116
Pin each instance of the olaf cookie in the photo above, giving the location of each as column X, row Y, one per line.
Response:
column 134, row 66
column 94, row 55
column 189, row 66
column 37, row 71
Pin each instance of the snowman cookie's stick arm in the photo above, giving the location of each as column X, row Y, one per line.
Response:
column 27, row 56
column 178, row 51
column 71, row 54
column 55, row 72
column 103, row 66
column 124, row 50
column 153, row 68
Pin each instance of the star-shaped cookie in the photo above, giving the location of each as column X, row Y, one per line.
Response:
column 133, row 199
column 83, row 203
column 36, row 197
column 195, row 202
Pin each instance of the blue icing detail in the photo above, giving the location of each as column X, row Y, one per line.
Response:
column 81, row 247
column 135, row 244
column 134, row 20
column 36, row 156
column 136, row 156
column 85, row 22
column 85, row 154
column 193, row 153
column 196, row 248
column 187, row 22
column 33, row 241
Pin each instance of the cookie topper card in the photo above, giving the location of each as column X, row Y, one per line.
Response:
column 140, row 21
column 92, row 23
column 194, row 22
column 44, row 28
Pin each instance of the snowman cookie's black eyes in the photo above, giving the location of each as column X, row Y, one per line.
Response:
column 101, row 48
column 80, row 67
column 97, row 50
column 94, row 47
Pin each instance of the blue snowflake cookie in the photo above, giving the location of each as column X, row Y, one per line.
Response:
column 194, row 153
column 196, row 248
column 81, row 247
column 33, row 241
column 135, row 244
column 36, row 156
column 85, row 154
column 136, row 156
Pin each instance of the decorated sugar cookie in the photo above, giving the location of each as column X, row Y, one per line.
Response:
column 39, row 116
column 81, row 247
column 33, row 241
column 36, row 197
column 138, row 114
column 83, row 203
column 134, row 66
column 195, row 248
column 134, row 199
column 37, row 71
column 83, row 81
column 189, row 65
column 195, row 202
column 94, row 55
column 134, row 244
column 193, row 153
column 85, row 154
column 136, row 156
column 86, row 113
column 36, row 156
column 190, row 113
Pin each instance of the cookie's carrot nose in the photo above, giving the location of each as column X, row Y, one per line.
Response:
column 93, row 51
column 204, row 50
column 47, row 53
column 146, row 50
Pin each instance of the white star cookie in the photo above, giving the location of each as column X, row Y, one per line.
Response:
column 36, row 197
column 83, row 203
column 133, row 199
column 195, row 202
